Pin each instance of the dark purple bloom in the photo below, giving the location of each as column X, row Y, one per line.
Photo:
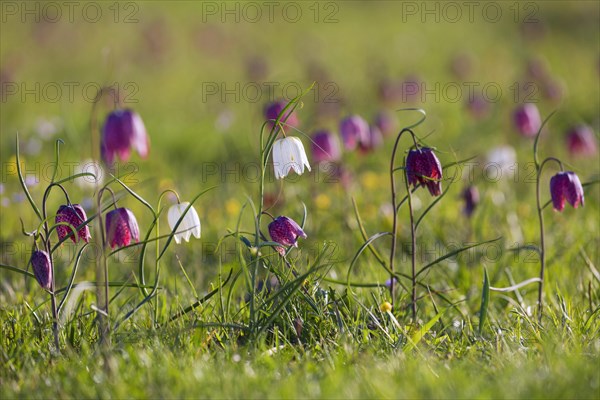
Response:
column 386, row 122
column 471, row 198
column 122, row 131
column 354, row 129
column 566, row 186
column 423, row 168
column 285, row 231
column 273, row 110
column 582, row 141
column 42, row 268
column 121, row 228
column 74, row 215
column 527, row 119
column 325, row 147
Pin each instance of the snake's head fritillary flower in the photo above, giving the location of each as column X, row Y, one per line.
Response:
column 123, row 130
column 374, row 140
column 190, row 224
column 325, row 147
column 74, row 215
column 424, row 168
column 566, row 186
column 288, row 154
column 471, row 198
column 121, row 228
column 42, row 268
column 275, row 108
column 581, row 141
column 354, row 129
column 285, row 231
column 527, row 119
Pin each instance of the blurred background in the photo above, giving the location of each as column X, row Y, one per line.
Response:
column 201, row 73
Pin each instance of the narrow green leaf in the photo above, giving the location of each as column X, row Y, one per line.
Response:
column 485, row 299
column 416, row 338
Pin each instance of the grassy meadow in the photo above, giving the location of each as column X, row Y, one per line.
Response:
column 225, row 316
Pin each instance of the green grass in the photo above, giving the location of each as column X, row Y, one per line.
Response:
column 173, row 347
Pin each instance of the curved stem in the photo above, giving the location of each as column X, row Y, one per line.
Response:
column 540, row 210
column 395, row 213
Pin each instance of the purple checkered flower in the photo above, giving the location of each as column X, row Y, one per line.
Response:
column 285, row 231
column 424, row 168
column 325, row 147
column 121, row 228
column 42, row 268
column 74, row 215
column 354, row 130
column 527, row 120
column 123, row 130
column 581, row 141
column 566, row 186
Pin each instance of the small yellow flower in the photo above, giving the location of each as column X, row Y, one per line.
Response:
column 323, row 201
column 232, row 207
column 385, row 307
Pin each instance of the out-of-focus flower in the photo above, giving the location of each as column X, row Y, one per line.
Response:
column 478, row 106
column 566, row 186
column 527, row 119
column 581, row 141
column 74, row 215
column 471, row 198
column 190, row 224
column 354, row 129
column 47, row 128
column 325, row 147
column 503, row 159
column 424, row 168
column 373, row 140
column 461, row 65
column 122, row 131
column 386, row 122
column 288, row 154
column 121, row 228
column 42, row 268
column 273, row 110
column 285, row 231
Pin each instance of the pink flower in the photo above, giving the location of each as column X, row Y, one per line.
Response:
column 122, row 131
column 285, row 231
column 325, row 147
column 581, row 141
column 354, row 130
column 74, row 215
column 121, row 228
column 527, row 119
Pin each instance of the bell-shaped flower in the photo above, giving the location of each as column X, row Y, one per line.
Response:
column 565, row 185
column 325, row 147
column 190, row 223
column 121, row 228
column 581, row 141
column 123, row 130
column 471, row 199
column 424, row 168
column 386, row 122
column 74, row 215
column 527, row 119
column 272, row 111
column 42, row 268
column 288, row 154
column 373, row 140
column 354, row 130
column 285, row 231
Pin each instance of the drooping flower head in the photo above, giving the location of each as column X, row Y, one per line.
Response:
column 325, row 147
column 42, row 268
column 373, row 140
column 122, row 131
column 527, row 119
column 471, row 198
column 74, row 215
column 424, row 168
column 285, row 231
column 121, row 228
column 565, row 185
column 190, row 224
column 288, row 154
column 275, row 108
column 581, row 141
column 354, row 129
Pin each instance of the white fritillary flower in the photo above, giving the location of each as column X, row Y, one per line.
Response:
column 288, row 154
column 190, row 224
